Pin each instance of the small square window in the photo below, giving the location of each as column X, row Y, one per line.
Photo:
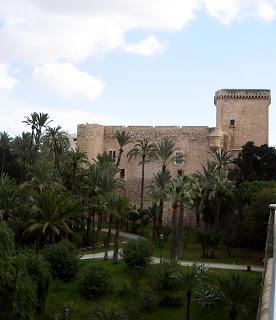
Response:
column 122, row 173
column 178, row 157
column 232, row 122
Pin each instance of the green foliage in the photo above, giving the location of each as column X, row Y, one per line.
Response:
column 256, row 162
column 110, row 312
column 94, row 281
column 208, row 240
column 7, row 247
column 148, row 299
column 167, row 276
column 40, row 272
column 137, row 254
column 63, row 259
column 172, row 301
column 256, row 216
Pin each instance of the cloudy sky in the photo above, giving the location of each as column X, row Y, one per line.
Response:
column 131, row 62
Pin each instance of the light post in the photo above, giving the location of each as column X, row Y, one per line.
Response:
column 161, row 247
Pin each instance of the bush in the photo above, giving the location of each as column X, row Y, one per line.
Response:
column 63, row 260
column 166, row 231
column 39, row 271
column 137, row 254
column 94, row 282
column 166, row 276
column 109, row 312
column 208, row 240
column 171, row 301
column 7, row 247
column 148, row 300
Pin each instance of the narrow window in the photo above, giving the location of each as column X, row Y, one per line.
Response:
column 110, row 154
column 178, row 157
column 232, row 122
column 179, row 173
column 122, row 173
column 114, row 154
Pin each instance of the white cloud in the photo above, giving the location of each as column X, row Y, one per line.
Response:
column 266, row 11
column 147, row 47
column 65, row 80
column 7, row 81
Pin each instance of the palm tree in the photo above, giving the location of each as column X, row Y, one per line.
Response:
column 42, row 122
column 109, row 312
column 8, row 195
column 180, row 195
column 52, row 211
column 160, row 184
column 5, row 144
column 123, row 138
column 222, row 158
column 32, row 122
column 77, row 159
column 56, row 140
column 145, row 150
column 121, row 208
column 189, row 280
column 234, row 291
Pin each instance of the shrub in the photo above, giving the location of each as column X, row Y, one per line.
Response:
column 208, row 240
column 39, row 271
column 166, row 231
column 171, row 301
column 109, row 312
column 63, row 260
column 94, row 282
column 7, row 247
column 166, row 276
column 148, row 300
column 137, row 254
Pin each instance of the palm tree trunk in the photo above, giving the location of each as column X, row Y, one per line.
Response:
column 154, row 218
column 188, row 308
column 99, row 226
column 108, row 237
column 216, row 222
column 180, row 230
column 119, row 157
column 197, row 217
column 142, row 183
column 233, row 313
column 174, row 234
column 116, row 243
column 160, row 217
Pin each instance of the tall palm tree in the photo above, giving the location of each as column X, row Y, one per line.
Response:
column 42, row 122
column 77, row 159
column 31, row 121
column 160, row 184
column 123, row 138
column 144, row 150
column 121, row 208
column 56, row 140
column 5, row 144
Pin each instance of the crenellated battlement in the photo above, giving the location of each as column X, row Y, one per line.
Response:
column 242, row 94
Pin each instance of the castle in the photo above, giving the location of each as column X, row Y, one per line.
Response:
column 241, row 116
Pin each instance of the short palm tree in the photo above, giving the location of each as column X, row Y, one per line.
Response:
column 144, row 150
column 123, row 138
column 5, row 144
column 8, row 195
column 222, row 158
column 52, row 212
column 109, row 312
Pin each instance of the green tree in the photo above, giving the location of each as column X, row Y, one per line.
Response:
column 123, row 138
column 144, row 150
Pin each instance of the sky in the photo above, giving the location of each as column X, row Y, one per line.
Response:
column 131, row 62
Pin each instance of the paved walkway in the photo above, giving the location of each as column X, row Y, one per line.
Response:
column 126, row 234
column 226, row 266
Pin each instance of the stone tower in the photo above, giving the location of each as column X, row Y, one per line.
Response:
column 242, row 116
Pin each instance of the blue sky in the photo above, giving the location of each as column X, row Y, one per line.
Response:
column 152, row 66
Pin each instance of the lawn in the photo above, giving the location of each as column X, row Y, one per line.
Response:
column 68, row 296
column 238, row 256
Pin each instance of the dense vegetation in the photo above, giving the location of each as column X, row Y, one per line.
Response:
column 53, row 202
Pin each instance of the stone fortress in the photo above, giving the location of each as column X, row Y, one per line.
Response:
column 241, row 116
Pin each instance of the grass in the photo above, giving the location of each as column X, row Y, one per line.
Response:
column 68, row 296
column 239, row 255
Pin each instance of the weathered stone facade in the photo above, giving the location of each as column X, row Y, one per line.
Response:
column 242, row 115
